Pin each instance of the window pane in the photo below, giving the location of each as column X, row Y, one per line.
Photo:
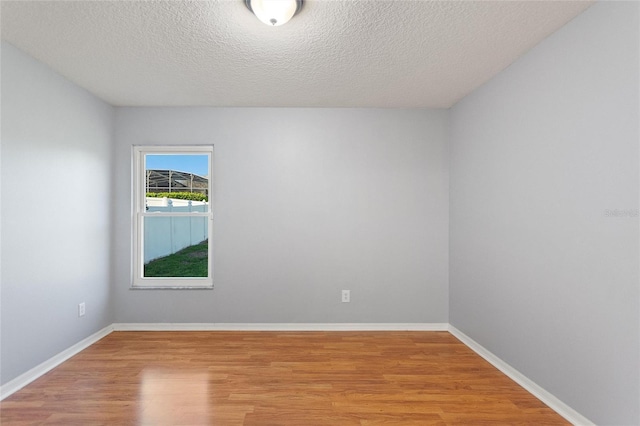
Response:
column 175, row 246
column 181, row 176
column 173, row 215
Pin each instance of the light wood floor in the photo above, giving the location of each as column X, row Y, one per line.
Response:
column 275, row 378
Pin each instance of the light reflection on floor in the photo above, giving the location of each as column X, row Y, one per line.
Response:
column 169, row 397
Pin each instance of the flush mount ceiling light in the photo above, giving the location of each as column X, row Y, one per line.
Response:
column 274, row 12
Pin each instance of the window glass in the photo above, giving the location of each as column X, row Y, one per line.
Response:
column 173, row 215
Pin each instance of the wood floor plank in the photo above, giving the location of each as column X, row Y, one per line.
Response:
column 275, row 378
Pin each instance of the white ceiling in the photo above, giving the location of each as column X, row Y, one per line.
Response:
column 334, row 53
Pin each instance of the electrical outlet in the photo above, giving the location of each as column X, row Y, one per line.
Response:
column 346, row 296
column 81, row 309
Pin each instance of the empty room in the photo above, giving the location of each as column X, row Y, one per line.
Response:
column 320, row 212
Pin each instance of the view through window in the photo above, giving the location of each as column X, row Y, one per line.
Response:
column 173, row 215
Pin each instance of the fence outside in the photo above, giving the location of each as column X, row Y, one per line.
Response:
column 167, row 235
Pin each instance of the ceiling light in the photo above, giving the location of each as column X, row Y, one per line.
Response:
column 274, row 12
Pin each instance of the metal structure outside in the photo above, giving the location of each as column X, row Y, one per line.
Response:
column 175, row 181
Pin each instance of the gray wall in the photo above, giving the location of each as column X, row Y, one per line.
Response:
column 307, row 202
column 541, row 274
column 56, row 169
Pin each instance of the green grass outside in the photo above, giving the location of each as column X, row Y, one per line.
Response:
column 192, row 261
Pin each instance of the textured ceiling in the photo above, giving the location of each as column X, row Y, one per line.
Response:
column 372, row 53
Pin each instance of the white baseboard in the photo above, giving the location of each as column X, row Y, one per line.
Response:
column 281, row 327
column 554, row 403
column 39, row 370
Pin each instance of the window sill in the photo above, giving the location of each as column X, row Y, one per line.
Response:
column 164, row 287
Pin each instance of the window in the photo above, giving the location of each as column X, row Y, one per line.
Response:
column 172, row 217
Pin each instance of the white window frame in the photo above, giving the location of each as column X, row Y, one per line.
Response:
column 140, row 212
